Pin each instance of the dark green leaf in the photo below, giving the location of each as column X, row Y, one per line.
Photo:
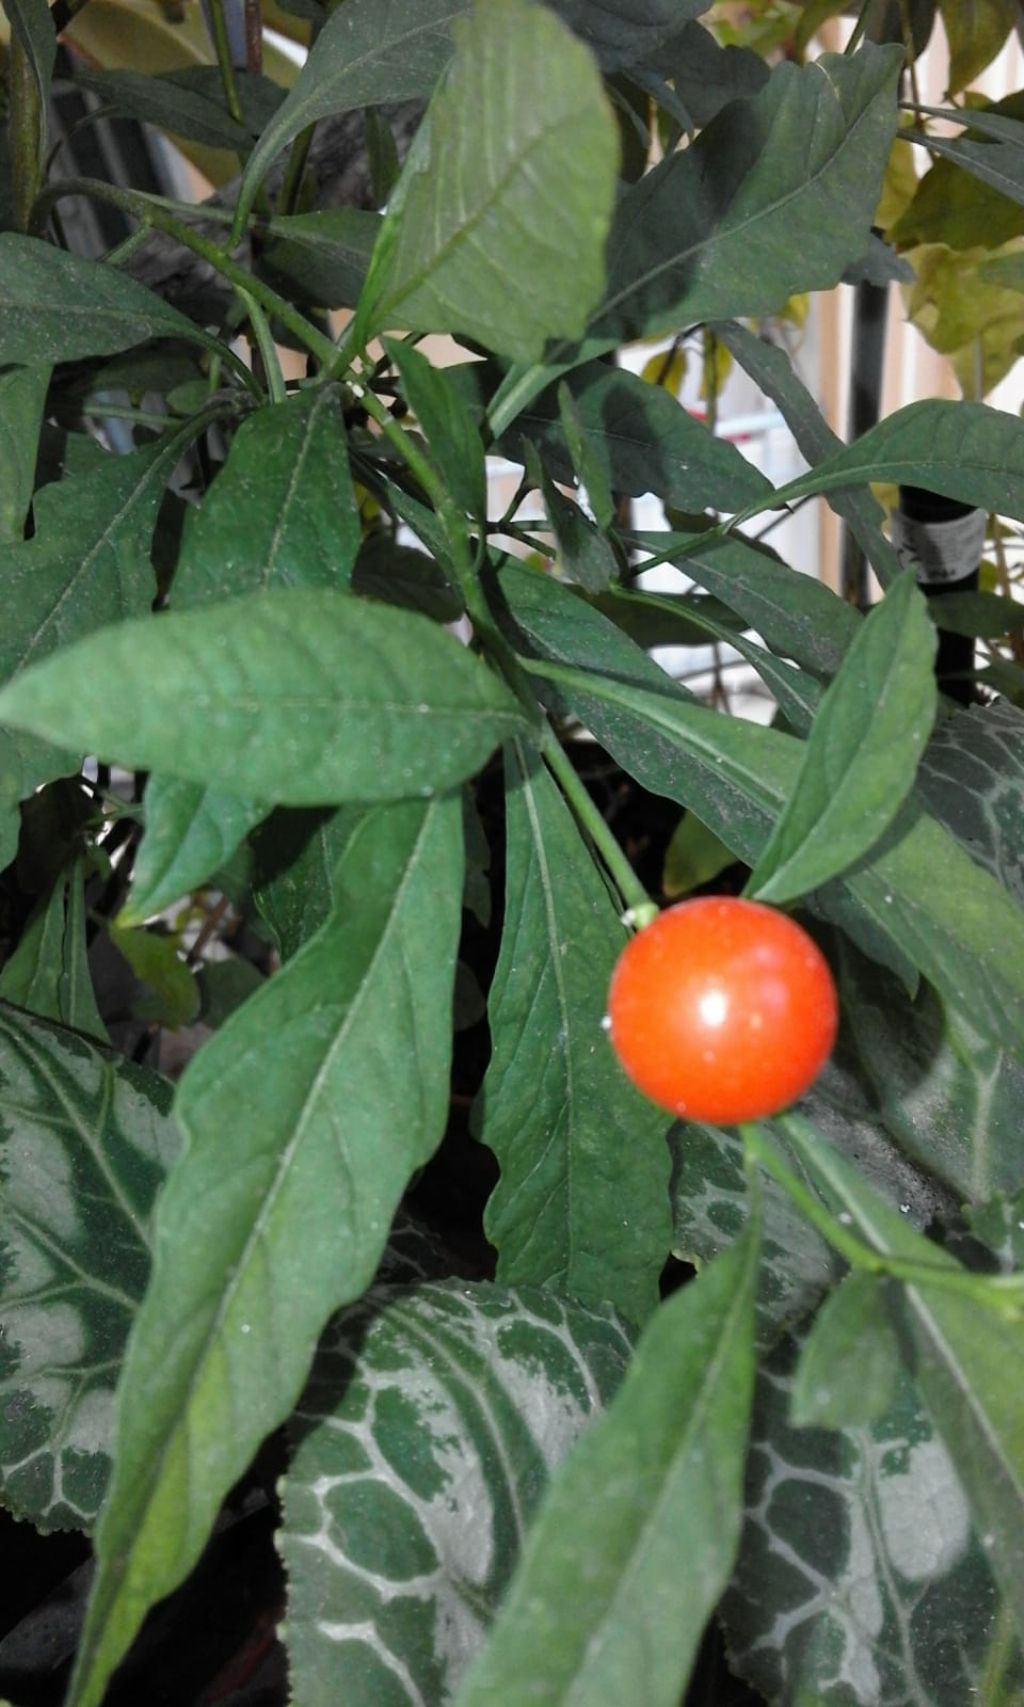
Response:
column 322, row 257
column 859, row 1581
column 643, row 1520
column 48, row 972
column 281, row 513
column 986, row 615
column 582, row 1201
column 305, row 1115
column 22, row 396
column 963, row 450
column 705, row 77
column 402, row 575
column 445, row 1409
column 999, row 1224
column 292, row 696
column 446, row 424
column 296, row 855
column 797, row 615
column 467, row 245
column 620, row 32
column 56, row 307
column 642, row 440
column 694, row 856
column 771, row 369
column 173, row 997
column 850, row 1365
column 86, row 1143
column 88, row 562
column 367, row 53
column 584, row 553
column 587, row 459
column 382, row 156
column 224, row 985
column 863, row 752
column 184, row 112
column 772, row 198
column 191, row 832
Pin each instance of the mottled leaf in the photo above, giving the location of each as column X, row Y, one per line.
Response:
column 582, row 1202
column 644, row 1518
column 305, row 1116
column 295, row 696
column 86, row 1143
column 860, row 1582
column 424, row 1440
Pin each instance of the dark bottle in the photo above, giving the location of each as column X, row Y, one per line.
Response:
column 944, row 540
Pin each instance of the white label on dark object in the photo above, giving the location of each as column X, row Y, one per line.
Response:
column 940, row 551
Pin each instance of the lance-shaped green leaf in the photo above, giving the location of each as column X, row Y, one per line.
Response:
column 185, row 111
column 798, row 616
column 293, row 696
column 584, row 552
column 774, row 197
column 296, row 855
column 468, row 245
column 998, row 164
column 88, row 562
column 172, row 998
column 771, row 369
column 48, row 972
column 374, row 51
column 863, row 751
column 968, row 1362
column 975, row 33
column 449, row 429
column 305, row 1117
column 86, row 1141
column 643, row 1520
column 281, row 513
column 191, row 832
column 850, row 1365
column 22, row 395
column 432, row 1420
column 582, row 1202
column 962, row 450
column 641, row 439
column 57, row 307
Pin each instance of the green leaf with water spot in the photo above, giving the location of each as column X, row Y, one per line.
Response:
column 468, row 246
column 432, row 1420
column 304, row 1117
column 649, row 1557
column 86, row 1142
column 292, row 696
column 582, row 1201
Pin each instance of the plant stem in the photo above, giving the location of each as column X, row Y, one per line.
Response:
column 150, row 212
column 984, row 1289
column 640, row 909
column 264, row 341
column 222, row 47
column 24, row 132
column 291, row 183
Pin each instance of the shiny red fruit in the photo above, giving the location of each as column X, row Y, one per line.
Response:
column 722, row 1010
